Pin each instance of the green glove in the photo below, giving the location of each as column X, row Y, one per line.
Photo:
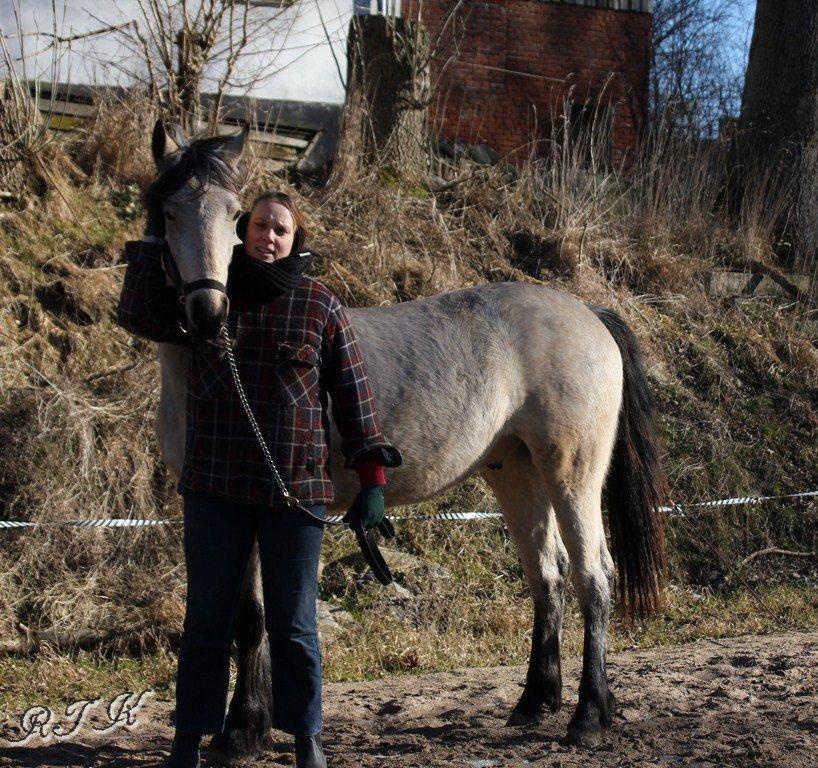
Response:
column 366, row 507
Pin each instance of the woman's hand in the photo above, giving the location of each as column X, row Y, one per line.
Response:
column 367, row 507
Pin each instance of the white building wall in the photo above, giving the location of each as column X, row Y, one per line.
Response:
column 302, row 59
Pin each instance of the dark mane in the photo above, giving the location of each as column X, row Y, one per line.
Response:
column 203, row 159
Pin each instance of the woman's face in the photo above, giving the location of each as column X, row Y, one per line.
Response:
column 270, row 231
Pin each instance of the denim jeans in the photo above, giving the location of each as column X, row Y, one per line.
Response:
column 218, row 540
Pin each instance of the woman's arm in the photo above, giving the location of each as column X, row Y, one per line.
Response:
column 147, row 306
column 353, row 406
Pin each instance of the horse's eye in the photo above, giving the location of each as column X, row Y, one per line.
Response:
column 236, row 215
column 169, row 216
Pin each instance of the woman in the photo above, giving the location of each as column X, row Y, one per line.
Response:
column 293, row 345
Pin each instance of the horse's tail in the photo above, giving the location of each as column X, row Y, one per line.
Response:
column 635, row 483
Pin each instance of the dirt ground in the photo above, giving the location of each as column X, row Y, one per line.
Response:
column 749, row 701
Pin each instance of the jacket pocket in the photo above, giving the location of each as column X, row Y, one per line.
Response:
column 296, row 373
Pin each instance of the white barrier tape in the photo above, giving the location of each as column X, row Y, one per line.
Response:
column 101, row 523
column 675, row 511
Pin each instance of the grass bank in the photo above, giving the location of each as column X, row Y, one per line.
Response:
column 736, row 382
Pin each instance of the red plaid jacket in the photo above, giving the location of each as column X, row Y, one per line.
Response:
column 291, row 352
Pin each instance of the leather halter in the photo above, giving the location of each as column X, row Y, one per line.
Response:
column 184, row 288
column 369, row 549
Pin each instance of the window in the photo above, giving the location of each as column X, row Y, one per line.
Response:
column 373, row 7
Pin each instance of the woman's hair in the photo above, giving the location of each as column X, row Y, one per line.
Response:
column 282, row 198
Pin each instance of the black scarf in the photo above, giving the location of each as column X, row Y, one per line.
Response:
column 264, row 280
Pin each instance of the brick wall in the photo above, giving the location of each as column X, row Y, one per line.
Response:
column 503, row 68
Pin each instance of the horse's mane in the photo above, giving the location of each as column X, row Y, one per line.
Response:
column 205, row 159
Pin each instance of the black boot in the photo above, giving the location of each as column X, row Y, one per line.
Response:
column 184, row 752
column 309, row 753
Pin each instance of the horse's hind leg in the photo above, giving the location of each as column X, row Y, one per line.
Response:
column 530, row 519
column 249, row 717
column 575, row 487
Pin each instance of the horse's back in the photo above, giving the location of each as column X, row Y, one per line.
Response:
column 485, row 325
column 454, row 373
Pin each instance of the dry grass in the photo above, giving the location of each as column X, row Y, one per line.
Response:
column 736, row 383
column 113, row 145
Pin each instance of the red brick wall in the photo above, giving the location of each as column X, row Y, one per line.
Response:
column 502, row 68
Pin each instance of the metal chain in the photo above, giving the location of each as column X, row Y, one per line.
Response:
column 288, row 497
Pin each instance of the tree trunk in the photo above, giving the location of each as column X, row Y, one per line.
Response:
column 192, row 51
column 387, row 96
column 779, row 111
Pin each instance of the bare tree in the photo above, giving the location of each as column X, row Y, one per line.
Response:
column 696, row 72
column 187, row 47
column 388, row 60
column 391, row 83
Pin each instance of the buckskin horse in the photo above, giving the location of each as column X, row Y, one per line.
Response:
column 541, row 394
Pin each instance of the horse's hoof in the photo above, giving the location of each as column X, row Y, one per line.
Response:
column 584, row 738
column 235, row 743
column 606, row 716
column 518, row 718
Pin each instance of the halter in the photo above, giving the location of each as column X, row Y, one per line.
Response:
column 169, row 262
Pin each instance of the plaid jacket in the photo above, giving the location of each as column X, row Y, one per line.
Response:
column 291, row 352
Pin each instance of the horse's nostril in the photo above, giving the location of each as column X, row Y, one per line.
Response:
column 206, row 309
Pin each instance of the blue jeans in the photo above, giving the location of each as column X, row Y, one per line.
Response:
column 218, row 541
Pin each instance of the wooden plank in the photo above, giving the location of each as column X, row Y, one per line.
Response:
column 65, row 115
column 268, row 137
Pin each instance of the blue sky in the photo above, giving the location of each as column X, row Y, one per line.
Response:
column 740, row 32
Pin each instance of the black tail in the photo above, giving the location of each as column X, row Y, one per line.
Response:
column 636, row 483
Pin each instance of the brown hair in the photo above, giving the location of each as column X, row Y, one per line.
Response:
column 298, row 218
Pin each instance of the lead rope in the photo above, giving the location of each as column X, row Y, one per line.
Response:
column 371, row 553
column 291, row 500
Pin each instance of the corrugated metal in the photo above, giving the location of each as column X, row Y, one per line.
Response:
column 642, row 6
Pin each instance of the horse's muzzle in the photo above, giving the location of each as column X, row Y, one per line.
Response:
column 206, row 310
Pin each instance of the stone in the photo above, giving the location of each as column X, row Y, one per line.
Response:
column 730, row 283
column 330, row 618
column 484, row 155
column 400, row 563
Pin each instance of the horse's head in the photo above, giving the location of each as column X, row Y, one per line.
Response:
column 194, row 202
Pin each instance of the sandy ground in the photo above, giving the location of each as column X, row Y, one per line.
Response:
column 750, row 701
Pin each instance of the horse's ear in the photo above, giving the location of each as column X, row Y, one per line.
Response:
column 234, row 146
column 162, row 144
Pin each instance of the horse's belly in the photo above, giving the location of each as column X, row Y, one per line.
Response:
column 439, row 450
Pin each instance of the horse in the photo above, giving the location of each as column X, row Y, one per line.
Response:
column 544, row 396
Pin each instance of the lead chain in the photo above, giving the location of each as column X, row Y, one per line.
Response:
column 289, row 498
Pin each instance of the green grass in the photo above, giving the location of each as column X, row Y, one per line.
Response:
column 56, row 680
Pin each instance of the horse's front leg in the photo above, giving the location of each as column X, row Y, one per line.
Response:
column 250, row 715
column 171, row 412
